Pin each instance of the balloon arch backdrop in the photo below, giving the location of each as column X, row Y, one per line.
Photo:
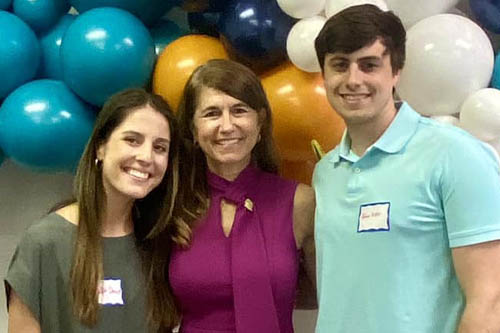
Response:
column 58, row 68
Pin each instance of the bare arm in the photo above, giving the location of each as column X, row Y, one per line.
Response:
column 303, row 225
column 478, row 271
column 21, row 319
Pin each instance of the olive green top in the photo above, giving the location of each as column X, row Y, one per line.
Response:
column 40, row 269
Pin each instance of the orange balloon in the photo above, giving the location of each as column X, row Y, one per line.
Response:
column 178, row 61
column 300, row 171
column 301, row 113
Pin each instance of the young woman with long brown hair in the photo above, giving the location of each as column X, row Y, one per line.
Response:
column 99, row 263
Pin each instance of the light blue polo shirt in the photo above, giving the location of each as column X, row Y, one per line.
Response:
column 385, row 224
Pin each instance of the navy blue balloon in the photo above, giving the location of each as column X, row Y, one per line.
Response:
column 148, row 11
column 495, row 80
column 40, row 14
column 45, row 126
column 255, row 31
column 19, row 53
column 50, row 43
column 164, row 32
column 487, row 12
column 204, row 23
column 218, row 5
column 106, row 50
column 5, row 4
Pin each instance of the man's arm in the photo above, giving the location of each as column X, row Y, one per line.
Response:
column 303, row 226
column 478, row 271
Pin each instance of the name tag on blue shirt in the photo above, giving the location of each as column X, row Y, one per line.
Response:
column 374, row 217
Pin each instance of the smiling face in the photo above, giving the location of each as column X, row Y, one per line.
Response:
column 226, row 130
column 135, row 156
column 359, row 85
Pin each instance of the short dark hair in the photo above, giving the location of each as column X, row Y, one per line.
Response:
column 358, row 26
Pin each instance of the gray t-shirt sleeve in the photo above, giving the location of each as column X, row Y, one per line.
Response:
column 23, row 275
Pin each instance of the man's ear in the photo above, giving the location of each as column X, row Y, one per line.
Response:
column 396, row 76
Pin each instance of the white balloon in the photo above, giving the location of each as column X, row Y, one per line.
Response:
column 410, row 12
column 448, row 57
column 301, row 8
column 480, row 114
column 332, row 7
column 451, row 120
column 300, row 43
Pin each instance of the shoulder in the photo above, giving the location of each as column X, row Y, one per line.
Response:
column 451, row 143
column 304, row 197
column 69, row 213
column 47, row 230
column 275, row 182
column 304, row 205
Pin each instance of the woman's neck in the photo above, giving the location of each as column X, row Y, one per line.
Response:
column 117, row 218
column 228, row 171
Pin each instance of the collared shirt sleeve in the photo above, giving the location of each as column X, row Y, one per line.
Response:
column 470, row 185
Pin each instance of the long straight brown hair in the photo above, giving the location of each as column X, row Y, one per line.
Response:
column 151, row 216
column 235, row 80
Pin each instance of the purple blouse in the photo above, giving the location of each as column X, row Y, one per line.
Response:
column 245, row 282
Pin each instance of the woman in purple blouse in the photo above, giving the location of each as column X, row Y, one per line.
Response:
column 235, row 264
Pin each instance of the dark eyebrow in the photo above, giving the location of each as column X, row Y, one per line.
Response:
column 370, row 58
column 162, row 140
column 338, row 57
column 132, row 132
column 140, row 134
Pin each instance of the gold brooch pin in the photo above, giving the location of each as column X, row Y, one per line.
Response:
column 249, row 204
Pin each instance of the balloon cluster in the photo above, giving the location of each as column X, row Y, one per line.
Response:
column 57, row 68
column 450, row 60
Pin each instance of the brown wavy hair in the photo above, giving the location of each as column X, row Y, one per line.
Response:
column 151, row 216
column 358, row 26
column 237, row 81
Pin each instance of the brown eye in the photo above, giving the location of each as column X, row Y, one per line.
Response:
column 131, row 140
column 161, row 149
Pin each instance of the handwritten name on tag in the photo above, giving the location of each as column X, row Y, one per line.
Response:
column 374, row 217
column 110, row 292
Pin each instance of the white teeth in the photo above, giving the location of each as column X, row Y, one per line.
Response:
column 138, row 174
column 228, row 141
column 354, row 97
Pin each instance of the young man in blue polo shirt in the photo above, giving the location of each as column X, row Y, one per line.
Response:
column 408, row 210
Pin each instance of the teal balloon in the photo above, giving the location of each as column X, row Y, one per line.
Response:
column 19, row 53
column 165, row 32
column 106, row 50
column 5, row 4
column 2, row 157
column 495, row 81
column 40, row 14
column 44, row 126
column 148, row 11
column 50, row 43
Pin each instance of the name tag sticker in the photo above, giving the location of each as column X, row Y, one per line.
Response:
column 110, row 292
column 374, row 217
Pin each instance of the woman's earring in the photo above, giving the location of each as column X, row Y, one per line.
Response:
column 258, row 138
column 97, row 162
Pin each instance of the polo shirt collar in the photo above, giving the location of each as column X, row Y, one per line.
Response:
column 399, row 132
